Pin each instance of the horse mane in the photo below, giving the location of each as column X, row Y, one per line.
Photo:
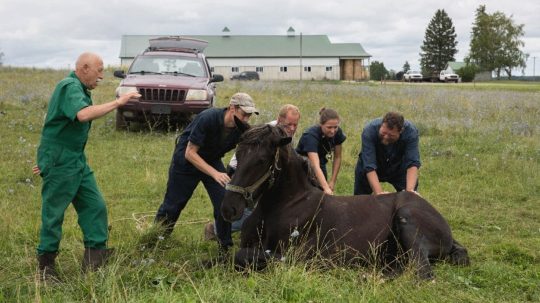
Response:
column 257, row 134
column 309, row 171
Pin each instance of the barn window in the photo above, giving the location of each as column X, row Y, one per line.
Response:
column 328, row 68
column 259, row 69
column 307, row 68
column 283, row 69
column 234, row 69
column 212, row 69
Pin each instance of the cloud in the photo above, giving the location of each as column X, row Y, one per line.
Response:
column 53, row 33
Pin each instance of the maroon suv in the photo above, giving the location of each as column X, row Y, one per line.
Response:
column 173, row 78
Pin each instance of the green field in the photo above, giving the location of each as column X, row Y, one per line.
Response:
column 480, row 148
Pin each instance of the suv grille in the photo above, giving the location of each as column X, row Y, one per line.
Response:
column 162, row 95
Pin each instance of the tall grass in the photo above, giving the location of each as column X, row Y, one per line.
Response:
column 480, row 148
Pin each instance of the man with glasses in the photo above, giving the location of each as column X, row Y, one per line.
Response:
column 197, row 158
column 389, row 154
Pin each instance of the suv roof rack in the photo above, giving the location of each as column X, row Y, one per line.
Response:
column 177, row 43
column 171, row 49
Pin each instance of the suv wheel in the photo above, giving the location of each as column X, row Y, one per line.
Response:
column 121, row 123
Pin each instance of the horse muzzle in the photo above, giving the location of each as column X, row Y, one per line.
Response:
column 232, row 209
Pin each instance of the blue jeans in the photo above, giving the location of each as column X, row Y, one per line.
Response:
column 180, row 187
column 361, row 183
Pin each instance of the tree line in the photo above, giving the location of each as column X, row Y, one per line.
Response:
column 496, row 46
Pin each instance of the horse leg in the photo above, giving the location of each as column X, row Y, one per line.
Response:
column 392, row 266
column 250, row 257
column 414, row 243
column 251, row 254
column 458, row 254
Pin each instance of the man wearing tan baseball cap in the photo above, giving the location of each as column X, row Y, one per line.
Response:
column 197, row 158
column 245, row 102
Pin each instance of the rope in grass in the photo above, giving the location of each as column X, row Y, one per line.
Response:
column 140, row 219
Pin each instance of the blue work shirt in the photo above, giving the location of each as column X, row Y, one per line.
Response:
column 208, row 132
column 389, row 160
column 313, row 141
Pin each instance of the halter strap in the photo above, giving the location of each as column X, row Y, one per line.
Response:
column 247, row 192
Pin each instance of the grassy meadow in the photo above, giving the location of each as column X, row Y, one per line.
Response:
column 480, row 148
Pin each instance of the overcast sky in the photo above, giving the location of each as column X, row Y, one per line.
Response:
column 51, row 33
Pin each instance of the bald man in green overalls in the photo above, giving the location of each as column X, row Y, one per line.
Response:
column 61, row 162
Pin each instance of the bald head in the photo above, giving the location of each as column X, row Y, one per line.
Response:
column 89, row 69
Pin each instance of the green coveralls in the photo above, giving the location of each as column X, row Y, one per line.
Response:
column 67, row 178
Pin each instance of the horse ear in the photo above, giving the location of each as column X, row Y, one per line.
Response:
column 285, row 141
column 241, row 125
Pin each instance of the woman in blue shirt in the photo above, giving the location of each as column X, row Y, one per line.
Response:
column 322, row 143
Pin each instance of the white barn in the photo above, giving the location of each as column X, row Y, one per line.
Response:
column 274, row 57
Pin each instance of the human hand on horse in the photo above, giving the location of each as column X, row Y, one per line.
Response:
column 328, row 191
column 221, row 178
column 332, row 185
column 414, row 192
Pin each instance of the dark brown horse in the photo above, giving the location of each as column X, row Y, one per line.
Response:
column 354, row 228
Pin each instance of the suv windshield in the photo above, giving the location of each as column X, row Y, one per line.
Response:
column 168, row 64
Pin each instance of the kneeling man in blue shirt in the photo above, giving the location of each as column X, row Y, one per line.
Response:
column 389, row 154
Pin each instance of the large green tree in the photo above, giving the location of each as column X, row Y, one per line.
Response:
column 496, row 43
column 377, row 71
column 440, row 44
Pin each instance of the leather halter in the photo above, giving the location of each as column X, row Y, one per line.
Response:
column 247, row 192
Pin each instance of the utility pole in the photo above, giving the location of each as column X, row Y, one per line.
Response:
column 301, row 67
column 534, row 68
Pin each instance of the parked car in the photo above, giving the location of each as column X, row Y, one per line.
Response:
column 246, row 76
column 445, row 76
column 173, row 78
column 413, row 76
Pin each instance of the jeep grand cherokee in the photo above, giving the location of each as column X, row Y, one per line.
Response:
column 173, row 78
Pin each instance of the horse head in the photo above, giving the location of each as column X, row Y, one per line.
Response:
column 261, row 153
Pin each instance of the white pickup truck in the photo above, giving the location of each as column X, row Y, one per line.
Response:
column 445, row 76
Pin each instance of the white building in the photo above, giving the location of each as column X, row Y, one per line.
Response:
column 274, row 57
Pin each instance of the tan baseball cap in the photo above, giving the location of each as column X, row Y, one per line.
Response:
column 245, row 102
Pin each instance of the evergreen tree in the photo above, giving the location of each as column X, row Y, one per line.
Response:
column 482, row 43
column 440, row 44
column 406, row 67
column 496, row 43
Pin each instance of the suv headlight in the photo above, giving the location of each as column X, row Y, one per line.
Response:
column 122, row 90
column 197, row 94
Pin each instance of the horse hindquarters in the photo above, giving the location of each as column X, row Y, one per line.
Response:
column 423, row 236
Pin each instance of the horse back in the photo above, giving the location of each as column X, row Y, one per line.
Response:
column 361, row 222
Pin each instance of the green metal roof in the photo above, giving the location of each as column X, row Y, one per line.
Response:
column 245, row 46
column 456, row 65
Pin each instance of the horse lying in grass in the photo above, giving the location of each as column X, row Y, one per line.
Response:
column 354, row 228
